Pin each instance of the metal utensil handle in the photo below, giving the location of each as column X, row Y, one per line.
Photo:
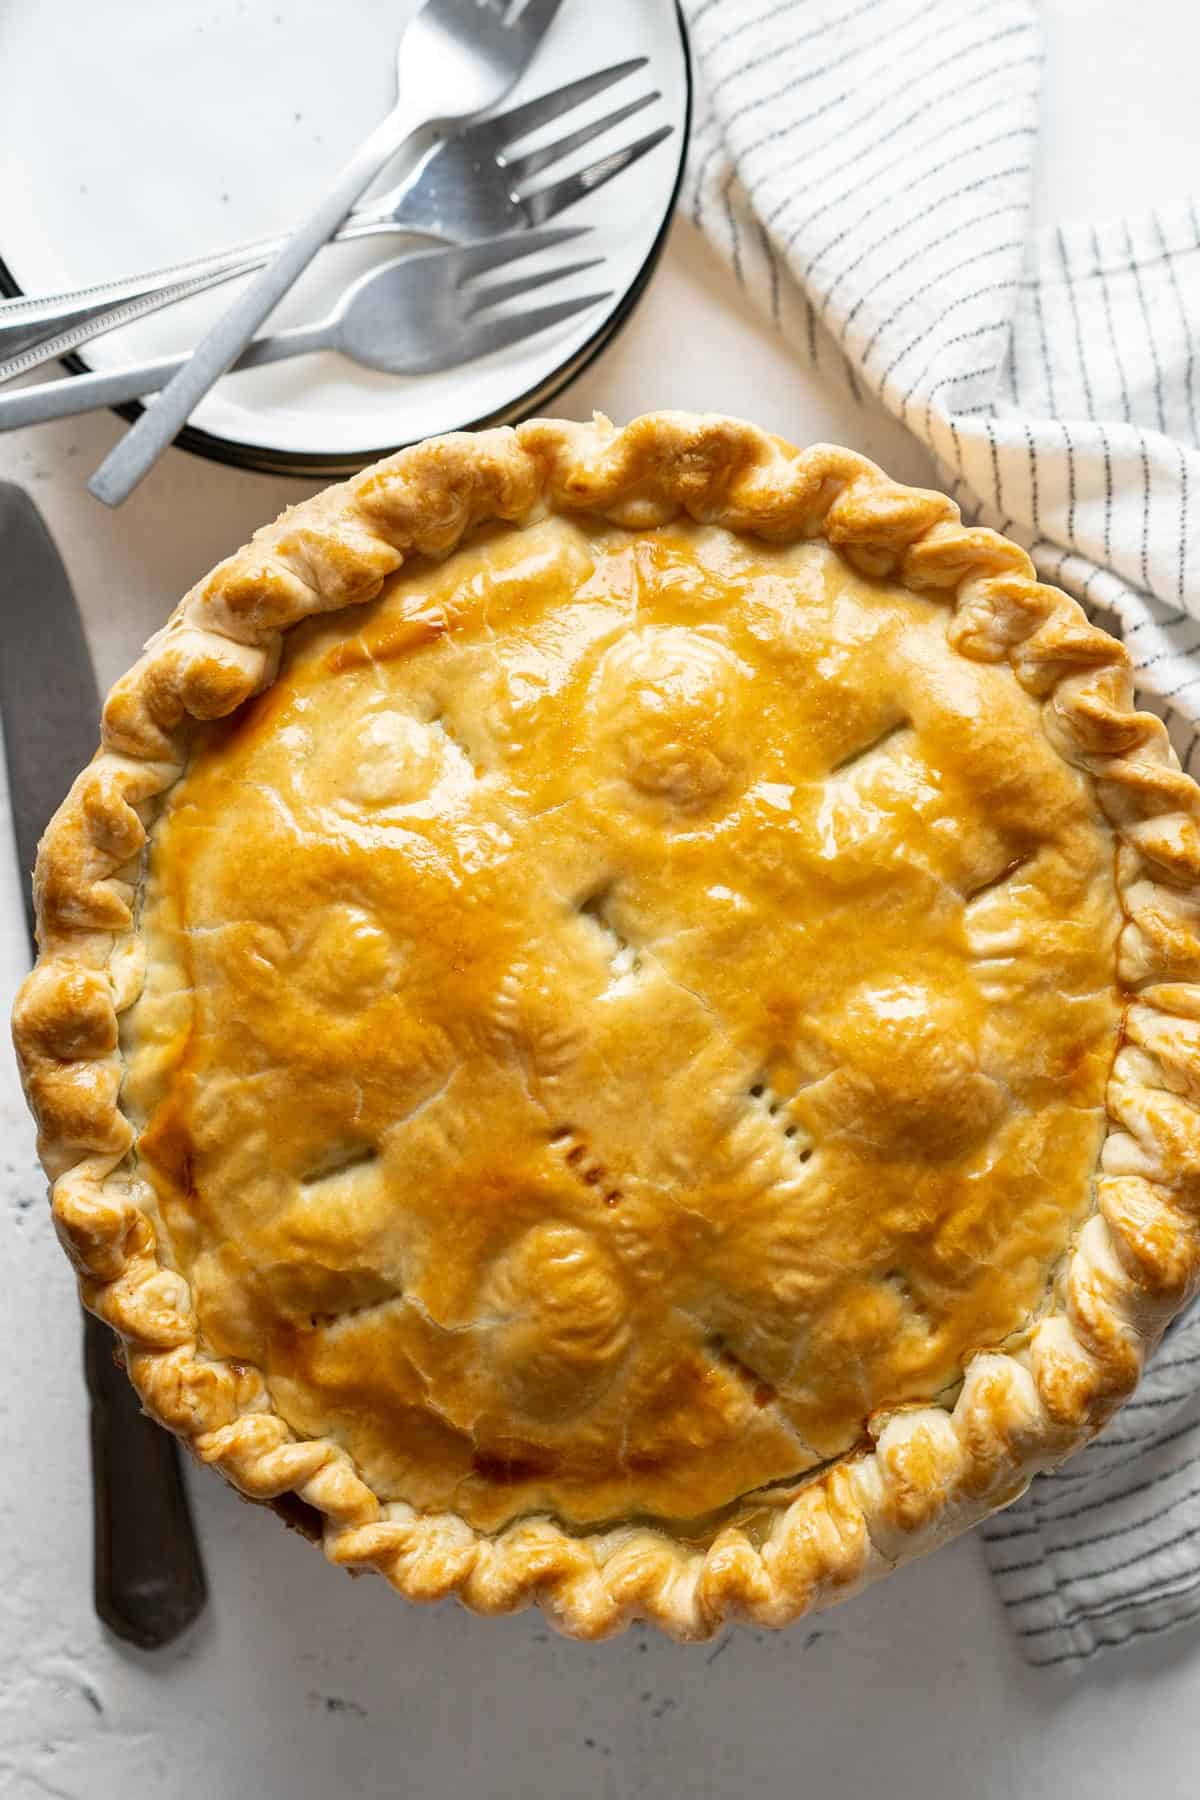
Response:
column 26, row 313
column 84, row 393
column 31, row 345
column 142, row 445
column 56, row 324
column 147, row 1575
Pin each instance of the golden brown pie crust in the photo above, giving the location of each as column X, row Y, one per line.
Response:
column 621, row 1036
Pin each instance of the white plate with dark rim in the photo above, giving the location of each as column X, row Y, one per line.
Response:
column 180, row 128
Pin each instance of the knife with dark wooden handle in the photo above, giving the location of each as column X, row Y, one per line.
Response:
column 149, row 1579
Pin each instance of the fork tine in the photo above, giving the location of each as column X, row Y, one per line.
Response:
column 492, row 253
column 525, row 284
column 499, row 334
column 547, row 202
column 522, row 168
column 510, row 127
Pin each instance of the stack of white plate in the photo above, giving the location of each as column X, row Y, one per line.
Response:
column 133, row 136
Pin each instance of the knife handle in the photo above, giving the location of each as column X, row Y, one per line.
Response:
column 149, row 1581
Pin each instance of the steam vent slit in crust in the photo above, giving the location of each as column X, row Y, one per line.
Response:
column 618, row 1018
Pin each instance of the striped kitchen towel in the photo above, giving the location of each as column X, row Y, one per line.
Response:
column 864, row 166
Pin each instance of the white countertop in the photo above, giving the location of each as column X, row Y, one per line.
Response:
column 301, row 1682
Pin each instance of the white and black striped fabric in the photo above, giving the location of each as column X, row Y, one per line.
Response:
column 1106, row 1550
column 865, row 168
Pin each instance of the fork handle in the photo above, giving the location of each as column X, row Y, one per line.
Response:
column 35, row 331
column 144, row 443
column 33, row 312
column 30, row 344
column 84, row 393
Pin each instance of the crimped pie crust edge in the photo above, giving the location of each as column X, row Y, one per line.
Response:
column 931, row 1471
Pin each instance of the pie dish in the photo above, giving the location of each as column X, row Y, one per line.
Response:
column 617, row 1022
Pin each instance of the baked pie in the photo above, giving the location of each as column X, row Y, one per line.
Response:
column 618, row 1022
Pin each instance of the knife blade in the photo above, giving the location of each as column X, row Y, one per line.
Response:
column 148, row 1578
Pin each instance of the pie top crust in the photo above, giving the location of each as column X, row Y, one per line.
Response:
column 652, row 1067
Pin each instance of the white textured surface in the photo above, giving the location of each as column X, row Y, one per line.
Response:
column 301, row 1682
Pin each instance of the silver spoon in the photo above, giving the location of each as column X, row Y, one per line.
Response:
column 470, row 185
column 455, row 59
column 413, row 316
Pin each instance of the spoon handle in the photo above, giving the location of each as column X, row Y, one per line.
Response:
column 143, row 444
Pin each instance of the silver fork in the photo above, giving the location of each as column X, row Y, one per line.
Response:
column 416, row 314
column 469, row 186
column 455, row 60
